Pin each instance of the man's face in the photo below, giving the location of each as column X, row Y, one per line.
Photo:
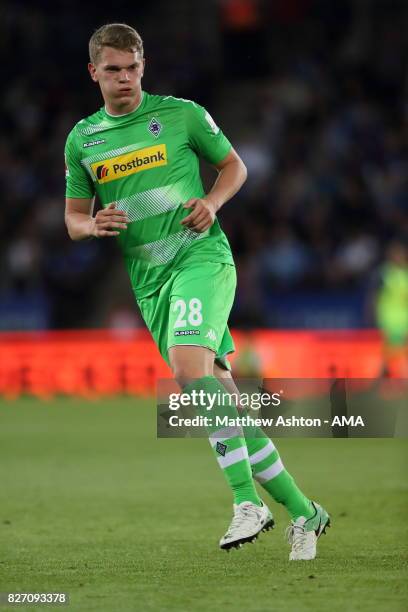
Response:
column 119, row 74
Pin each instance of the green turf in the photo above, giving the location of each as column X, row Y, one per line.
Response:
column 93, row 504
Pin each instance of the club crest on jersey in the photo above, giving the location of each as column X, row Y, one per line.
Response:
column 155, row 127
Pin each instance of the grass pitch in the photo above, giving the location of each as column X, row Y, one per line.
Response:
column 94, row 505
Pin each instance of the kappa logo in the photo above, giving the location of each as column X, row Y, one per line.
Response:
column 221, row 448
column 93, row 143
column 101, row 172
column 211, row 335
column 155, row 127
column 130, row 163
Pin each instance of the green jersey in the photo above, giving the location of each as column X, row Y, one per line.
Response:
column 147, row 161
column 392, row 302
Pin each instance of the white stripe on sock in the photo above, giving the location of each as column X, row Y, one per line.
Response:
column 225, row 434
column 262, row 454
column 233, row 457
column 270, row 472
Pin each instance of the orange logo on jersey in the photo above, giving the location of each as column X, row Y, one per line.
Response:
column 130, row 163
column 101, row 172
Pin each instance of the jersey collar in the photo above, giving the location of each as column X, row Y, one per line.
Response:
column 133, row 112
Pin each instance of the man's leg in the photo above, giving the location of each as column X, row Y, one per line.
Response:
column 267, row 466
column 192, row 367
column 309, row 519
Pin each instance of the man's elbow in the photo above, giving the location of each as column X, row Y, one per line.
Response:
column 68, row 226
column 244, row 172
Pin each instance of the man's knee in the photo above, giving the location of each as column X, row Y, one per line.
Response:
column 186, row 374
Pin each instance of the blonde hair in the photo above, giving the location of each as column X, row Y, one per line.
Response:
column 116, row 35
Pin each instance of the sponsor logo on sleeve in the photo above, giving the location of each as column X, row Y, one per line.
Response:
column 212, row 123
column 129, row 163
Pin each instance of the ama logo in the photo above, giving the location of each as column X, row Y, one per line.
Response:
column 101, row 172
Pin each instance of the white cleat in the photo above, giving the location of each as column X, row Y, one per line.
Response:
column 303, row 534
column 247, row 523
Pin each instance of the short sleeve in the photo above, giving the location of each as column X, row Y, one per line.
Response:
column 78, row 183
column 205, row 137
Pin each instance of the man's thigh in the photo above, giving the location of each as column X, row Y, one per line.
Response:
column 192, row 309
column 200, row 304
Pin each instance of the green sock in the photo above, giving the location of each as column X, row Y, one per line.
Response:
column 228, row 443
column 269, row 471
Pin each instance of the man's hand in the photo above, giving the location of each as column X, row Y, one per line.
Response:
column 202, row 215
column 231, row 176
column 107, row 221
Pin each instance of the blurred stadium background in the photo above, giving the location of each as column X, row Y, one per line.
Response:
column 312, row 94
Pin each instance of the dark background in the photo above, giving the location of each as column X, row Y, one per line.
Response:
column 312, row 93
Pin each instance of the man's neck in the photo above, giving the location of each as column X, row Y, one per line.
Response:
column 123, row 109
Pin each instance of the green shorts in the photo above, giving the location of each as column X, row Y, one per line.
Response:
column 192, row 309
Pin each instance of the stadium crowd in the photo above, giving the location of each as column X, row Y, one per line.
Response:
column 311, row 93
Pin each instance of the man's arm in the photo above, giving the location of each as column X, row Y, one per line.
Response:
column 81, row 225
column 232, row 175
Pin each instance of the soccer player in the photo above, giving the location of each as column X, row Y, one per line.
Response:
column 392, row 308
column 140, row 155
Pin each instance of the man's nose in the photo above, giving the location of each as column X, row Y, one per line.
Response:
column 124, row 76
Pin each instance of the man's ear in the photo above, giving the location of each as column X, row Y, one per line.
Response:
column 92, row 72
